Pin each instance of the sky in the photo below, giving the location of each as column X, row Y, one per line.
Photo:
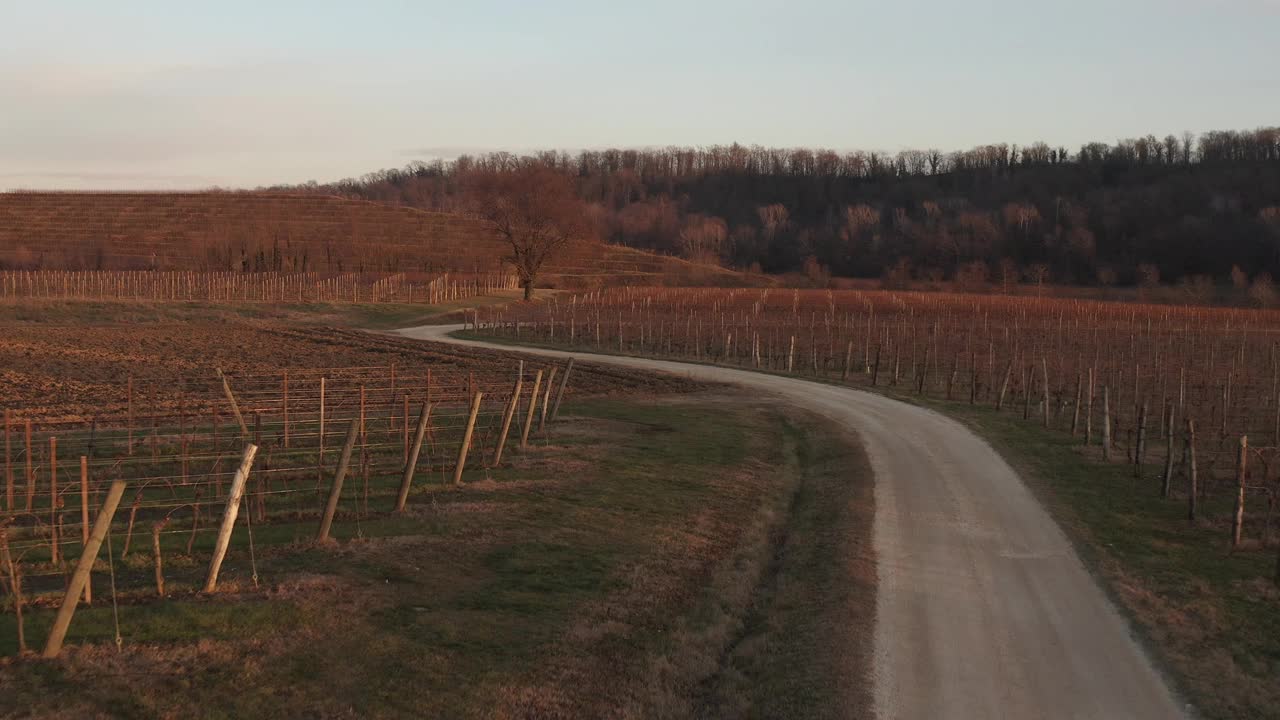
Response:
column 157, row 94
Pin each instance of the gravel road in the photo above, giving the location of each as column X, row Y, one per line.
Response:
column 983, row 609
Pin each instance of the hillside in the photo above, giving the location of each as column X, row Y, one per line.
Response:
column 283, row 232
column 1140, row 211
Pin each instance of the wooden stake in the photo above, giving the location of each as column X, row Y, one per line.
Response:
column 229, row 515
column 546, row 398
column 533, row 404
column 1139, row 449
column 286, row 407
column 53, row 501
column 564, row 380
column 1044, row 377
column 507, row 416
column 155, row 552
column 8, row 463
column 84, row 518
column 1088, row 412
column 1075, row 408
column 235, row 407
column 1004, row 386
column 339, row 475
column 424, row 419
column 1193, row 486
column 1106, row 424
column 129, row 401
column 466, row 436
column 1237, row 518
column 81, row 576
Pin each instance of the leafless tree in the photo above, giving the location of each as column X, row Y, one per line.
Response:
column 534, row 209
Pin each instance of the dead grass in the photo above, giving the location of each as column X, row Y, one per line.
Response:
column 622, row 577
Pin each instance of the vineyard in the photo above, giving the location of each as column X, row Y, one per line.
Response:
column 1190, row 397
column 232, row 244
column 157, row 440
column 264, row 287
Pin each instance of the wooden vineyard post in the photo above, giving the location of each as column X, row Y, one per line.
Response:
column 1004, row 386
column 564, row 380
column 285, row 401
column 129, row 422
column 1044, row 399
column 1193, row 489
column 1075, row 409
column 533, row 404
column 875, row 370
column 84, row 517
column 322, row 383
column 507, row 416
column 791, row 355
column 15, row 587
column 546, row 398
column 339, row 475
column 53, row 500
column 1140, row 447
column 410, row 464
column 235, row 407
column 229, row 515
column 81, row 576
column 1106, row 424
column 466, row 436
column 1237, row 517
column 157, row 557
column 8, row 463
column 1088, row 412
column 1166, row 485
column 848, row 357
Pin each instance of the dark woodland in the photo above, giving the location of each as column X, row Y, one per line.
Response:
column 1197, row 211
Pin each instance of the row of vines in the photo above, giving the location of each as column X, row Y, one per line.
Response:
column 254, row 287
column 1190, row 396
column 145, row 500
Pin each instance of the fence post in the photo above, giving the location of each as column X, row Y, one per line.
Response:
column 564, row 380
column 1004, row 386
column 1044, row 367
column 466, row 439
column 508, row 415
column 81, row 576
column 1167, row 486
column 53, row 501
column 1237, row 518
column 229, row 515
column 1139, row 449
column 158, row 559
column 412, row 462
column 235, row 407
column 340, row 474
column 1106, row 424
column 1193, row 488
column 546, row 398
column 8, row 462
column 84, row 518
column 533, row 404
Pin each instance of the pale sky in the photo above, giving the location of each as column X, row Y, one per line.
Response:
column 160, row 94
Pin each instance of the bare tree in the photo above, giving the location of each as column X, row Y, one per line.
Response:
column 534, row 209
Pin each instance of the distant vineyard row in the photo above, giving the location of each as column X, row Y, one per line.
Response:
column 268, row 287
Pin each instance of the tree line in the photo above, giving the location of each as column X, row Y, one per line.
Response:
column 1196, row 210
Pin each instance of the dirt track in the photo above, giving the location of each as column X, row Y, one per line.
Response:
column 983, row 608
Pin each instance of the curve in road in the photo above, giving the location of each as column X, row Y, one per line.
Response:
column 983, row 609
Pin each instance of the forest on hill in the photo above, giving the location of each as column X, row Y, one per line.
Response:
column 1191, row 210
